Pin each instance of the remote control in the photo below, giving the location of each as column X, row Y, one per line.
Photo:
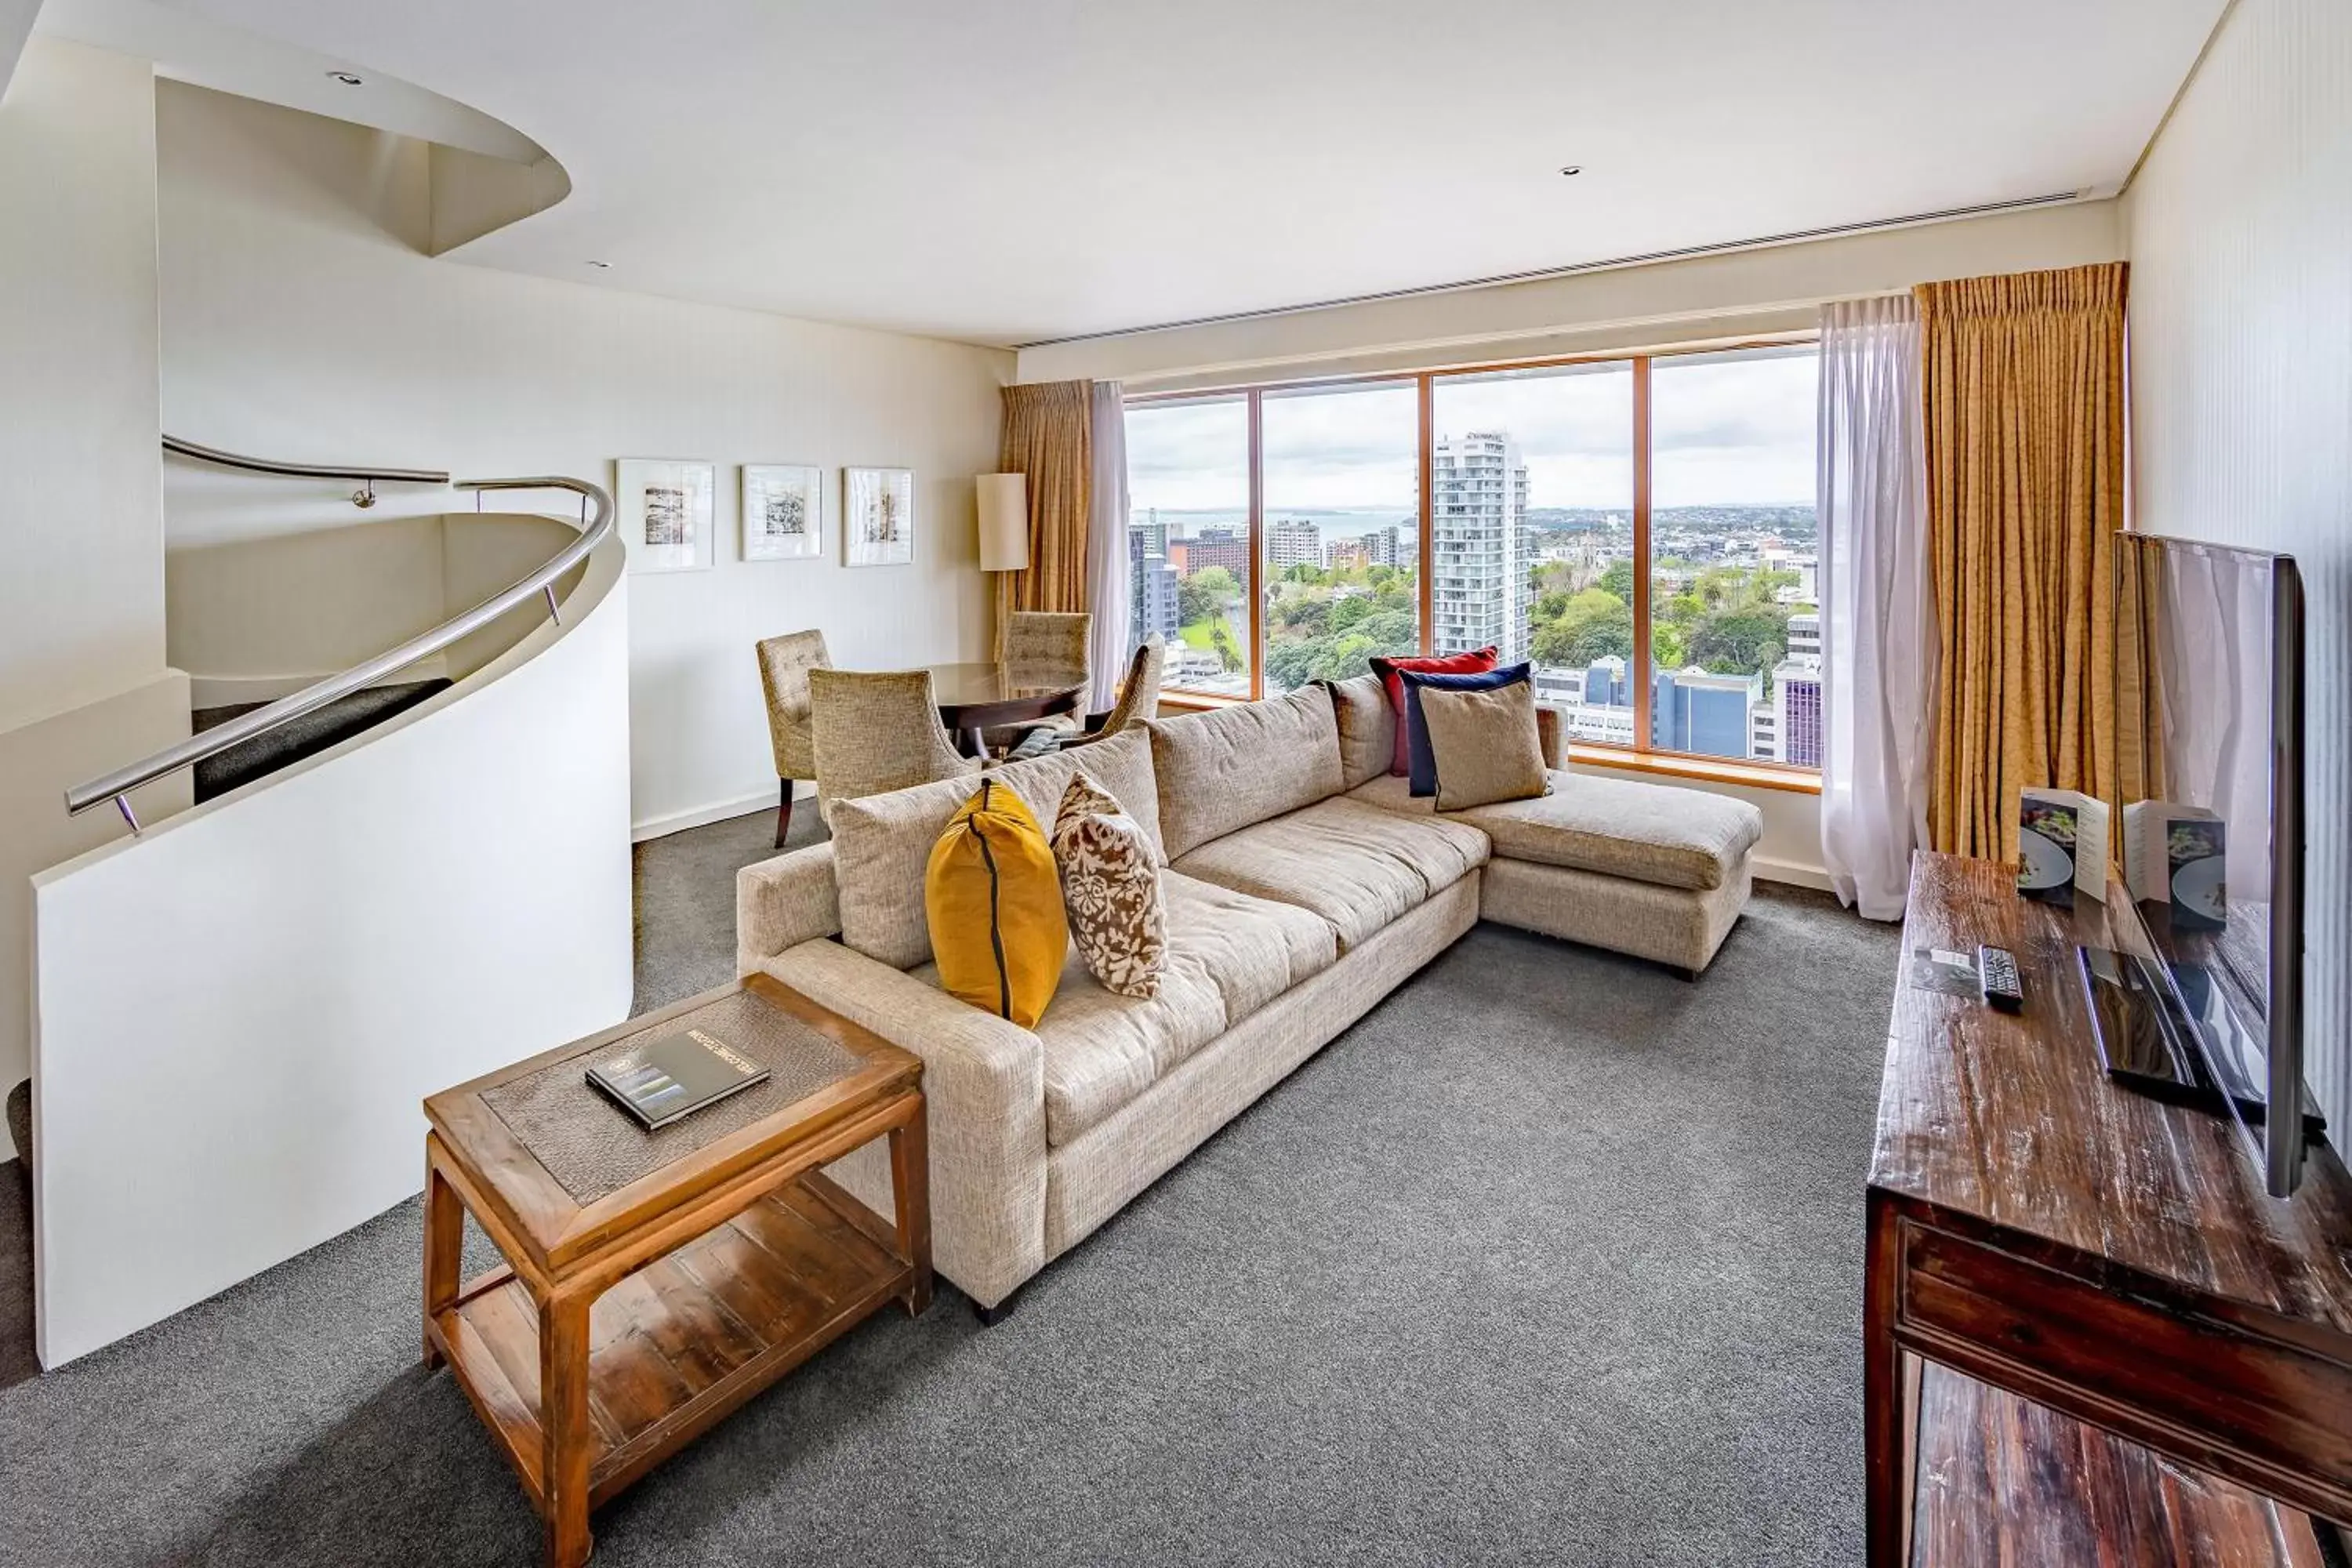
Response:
column 1997, row 978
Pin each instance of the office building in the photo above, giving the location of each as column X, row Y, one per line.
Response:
column 1480, row 543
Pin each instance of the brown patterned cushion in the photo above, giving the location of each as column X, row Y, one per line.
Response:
column 1486, row 746
column 1111, row 889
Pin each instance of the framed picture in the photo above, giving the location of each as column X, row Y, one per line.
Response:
column 783, row 513
column 878, row 516
column 666, row 515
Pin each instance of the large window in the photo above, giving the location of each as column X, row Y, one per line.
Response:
column 1735, row 626
column 1340, row 548
column 1189, row 539
column 1640, row 530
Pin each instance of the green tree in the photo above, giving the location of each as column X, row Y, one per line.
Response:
column 1206, row 594
column 1290, row 664
column 1736, row 641
column 1222, row 641
column 1618, row 582
column 1390, row 631
column 1586, row 632
column 1347, row 612
column 1307, row 617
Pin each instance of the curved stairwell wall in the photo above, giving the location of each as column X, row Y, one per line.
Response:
column 237, row 1015
column 253, row 619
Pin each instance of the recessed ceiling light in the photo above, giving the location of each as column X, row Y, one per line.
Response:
column 601, row 266
column 346, row 77
column 1573, row 168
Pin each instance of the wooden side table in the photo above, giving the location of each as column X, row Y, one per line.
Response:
column 653, row 1282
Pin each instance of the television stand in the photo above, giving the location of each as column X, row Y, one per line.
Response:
column 2109, row 1256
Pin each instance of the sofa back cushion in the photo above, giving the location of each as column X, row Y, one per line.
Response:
column 1366, row 729
column 1221, row 770
column 882, row 842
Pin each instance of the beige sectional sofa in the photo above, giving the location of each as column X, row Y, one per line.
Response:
column 1302, row 885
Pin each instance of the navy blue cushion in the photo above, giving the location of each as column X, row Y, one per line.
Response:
column 1421, row 771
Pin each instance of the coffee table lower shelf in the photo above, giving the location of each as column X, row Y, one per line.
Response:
column 679, row 1344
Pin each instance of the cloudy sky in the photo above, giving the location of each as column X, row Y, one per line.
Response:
column 1726, row 432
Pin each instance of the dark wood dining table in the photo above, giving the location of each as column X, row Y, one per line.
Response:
column 977, row 698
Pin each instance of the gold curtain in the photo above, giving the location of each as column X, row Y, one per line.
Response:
column 2023, row 388
column 1049, row 438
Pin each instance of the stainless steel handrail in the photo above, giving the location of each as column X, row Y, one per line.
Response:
column 302, row 470
column 117, row 785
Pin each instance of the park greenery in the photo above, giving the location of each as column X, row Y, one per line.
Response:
column 1321, row 623
column 1326, row 624
column 1723, row 619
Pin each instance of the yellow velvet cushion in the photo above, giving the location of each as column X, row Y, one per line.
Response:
column 994, row 903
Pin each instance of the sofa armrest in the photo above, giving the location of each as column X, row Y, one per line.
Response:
column 984, row 1093
column 783, row 902
column 1552, row 736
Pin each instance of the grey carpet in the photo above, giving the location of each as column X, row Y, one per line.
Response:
column 1552, row 1259
column 686, row 899
column 313, row 733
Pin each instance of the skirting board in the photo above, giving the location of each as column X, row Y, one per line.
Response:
column 1792, row 873
column 696, row 816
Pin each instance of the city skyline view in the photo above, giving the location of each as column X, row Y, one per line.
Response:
column 1531, row 541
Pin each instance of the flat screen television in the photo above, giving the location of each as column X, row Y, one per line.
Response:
column 2210, row 738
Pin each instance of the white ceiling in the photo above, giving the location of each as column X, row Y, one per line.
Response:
column 1007, row 171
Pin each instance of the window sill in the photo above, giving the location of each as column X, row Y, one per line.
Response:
column 1698, row 770
column 1196, row 701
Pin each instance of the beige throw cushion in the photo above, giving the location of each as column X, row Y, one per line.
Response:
column 1366, row 729
column 1484, row 745
column 1111, row 889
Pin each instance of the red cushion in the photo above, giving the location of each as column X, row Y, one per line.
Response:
column 1478, row 663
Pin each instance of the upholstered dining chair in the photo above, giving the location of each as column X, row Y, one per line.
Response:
column 1138, row 699
column 877, row 731
column 784, row 665
column 1046, row 646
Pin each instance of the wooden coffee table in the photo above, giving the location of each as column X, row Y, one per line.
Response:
column 655, row 1281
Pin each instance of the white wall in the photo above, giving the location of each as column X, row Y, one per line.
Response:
column 38, row 763
column 81, row 600
column 237, row 1018
column 2239, row 228
column 300, row 320
column 258, row 618
column 1750, row 292
column 83, row 687
column 16, row 26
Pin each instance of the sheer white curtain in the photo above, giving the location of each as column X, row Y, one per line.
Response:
column 1878, row 632
column 1106, row 559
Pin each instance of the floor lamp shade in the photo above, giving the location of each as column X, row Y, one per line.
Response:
column 1003, row 522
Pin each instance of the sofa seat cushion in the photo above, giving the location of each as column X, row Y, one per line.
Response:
column 1646, row 833
column 1228, row 955
column 1355, row 865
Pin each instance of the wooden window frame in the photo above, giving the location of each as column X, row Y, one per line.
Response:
column 1643, row 756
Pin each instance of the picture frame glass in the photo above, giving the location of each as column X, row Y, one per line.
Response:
column 878, row 516
column 665, row 513
column 783, row 513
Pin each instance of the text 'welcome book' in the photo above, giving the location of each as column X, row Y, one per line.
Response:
column 674, row 1076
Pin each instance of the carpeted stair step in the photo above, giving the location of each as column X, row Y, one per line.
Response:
column 305, row 737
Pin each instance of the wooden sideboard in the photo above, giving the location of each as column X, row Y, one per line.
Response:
column 2111, row 1258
